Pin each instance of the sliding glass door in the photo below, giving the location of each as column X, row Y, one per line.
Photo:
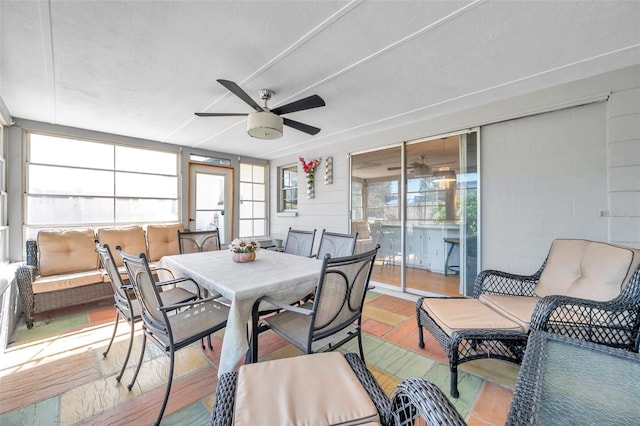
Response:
column 419, row 202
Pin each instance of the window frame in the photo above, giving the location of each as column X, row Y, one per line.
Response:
column 173, row 214
column 253, row 182
column 283, row 189
column 4, row 221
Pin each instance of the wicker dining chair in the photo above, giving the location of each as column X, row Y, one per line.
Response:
column 334, row 315
column 299, row 242
column 198, row 241
column 414, row 400
column 336, row 244
column 127, row 306
column 194, row 320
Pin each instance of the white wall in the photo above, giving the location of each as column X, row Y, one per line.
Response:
column 543, row 177
column 612, row 166
column 623, row 118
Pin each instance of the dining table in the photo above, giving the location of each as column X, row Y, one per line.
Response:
column 283, row 276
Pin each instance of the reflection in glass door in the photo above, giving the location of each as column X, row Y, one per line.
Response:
column 422, row 214
column 375, row 212
column 210, row 199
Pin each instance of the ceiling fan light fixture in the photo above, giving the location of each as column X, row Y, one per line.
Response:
column 444, row 174
column 264, row 125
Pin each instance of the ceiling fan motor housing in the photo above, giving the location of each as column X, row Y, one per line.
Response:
column 264, row 125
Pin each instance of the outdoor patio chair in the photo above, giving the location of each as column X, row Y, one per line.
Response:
column 299, row 242
column 332, row 318
column 192, row 322
column 127, row 306
column 327, row 388
column 584, row 289
column 198, row 241
column 337, row 245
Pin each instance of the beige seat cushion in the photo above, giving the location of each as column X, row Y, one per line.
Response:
column 318, row 389
column 131, row 239
column 517, row 308
column 66, row 251
column 585, row 269
column 66, row 281
column 162, row 240
column 457, row 314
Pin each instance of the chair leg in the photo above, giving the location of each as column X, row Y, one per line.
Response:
column 135, row 374
column 360, row 345
column 166, row 394
column 454, row 381
column 420, row 336
column 126, row 358
column 253, row 343
column 209, row 339
column 115, row 328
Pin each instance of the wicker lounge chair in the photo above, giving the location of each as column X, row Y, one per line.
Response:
column 332, row 318
column 356, row 396
column 584, row 290
column 194, row 321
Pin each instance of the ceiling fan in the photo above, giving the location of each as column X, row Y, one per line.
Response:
column 266, row 123
column 420, row 168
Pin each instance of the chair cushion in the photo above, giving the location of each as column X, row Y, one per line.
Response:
column 585, row 269
column 162, row 240
column 131, row 239
column 66, row 281
column 318, row 389
column 455, row 314
column 517, row 308
column 66, row 251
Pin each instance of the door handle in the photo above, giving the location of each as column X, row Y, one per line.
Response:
column 191, row 220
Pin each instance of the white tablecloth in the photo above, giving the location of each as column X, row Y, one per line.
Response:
column 280, row 275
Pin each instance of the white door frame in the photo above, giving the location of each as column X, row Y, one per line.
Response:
column 228, row 174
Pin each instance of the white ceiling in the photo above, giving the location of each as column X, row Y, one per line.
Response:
column 142, row 68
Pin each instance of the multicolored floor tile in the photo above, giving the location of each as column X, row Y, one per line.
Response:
column 55, row 373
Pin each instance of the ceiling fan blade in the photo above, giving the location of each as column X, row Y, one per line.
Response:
column 313, row 101
column 236, row 90
column 394, row 168
column 301, row 126
column 219, row 114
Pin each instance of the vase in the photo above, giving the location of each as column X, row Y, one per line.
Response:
column 310, row 187
column 244, row 257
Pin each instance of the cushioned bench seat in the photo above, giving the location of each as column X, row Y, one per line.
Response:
column 63, row 267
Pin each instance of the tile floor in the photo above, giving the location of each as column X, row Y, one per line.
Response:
column 55, row 374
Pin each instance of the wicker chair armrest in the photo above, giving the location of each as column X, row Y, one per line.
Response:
column 371, row 385
column 282, row 305
column 225, row 400
column 32, row 253
column 187, row 304
column 416, row 398
column 25, row 275
column 557, row 313
column 26, row 272
column 499, row 282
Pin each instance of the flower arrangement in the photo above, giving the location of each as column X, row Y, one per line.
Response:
column 244, row 246
column 309, row 169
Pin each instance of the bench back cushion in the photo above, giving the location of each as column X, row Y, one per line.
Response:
column 64, row 251
column 585, row 269
column 162, row 240
column 130, row 238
